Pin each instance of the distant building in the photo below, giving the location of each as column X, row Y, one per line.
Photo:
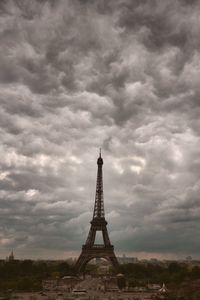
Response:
column 154, row 261
column 154, row 286
column 110, row 284
column 163, row 289
column 11, row 257
column 188, row 259
column 126, row 260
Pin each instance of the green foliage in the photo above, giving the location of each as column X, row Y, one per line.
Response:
column 173, row 274
column 195, row 273
column 27, row 275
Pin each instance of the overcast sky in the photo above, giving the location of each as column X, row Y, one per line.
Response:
column 123, row 75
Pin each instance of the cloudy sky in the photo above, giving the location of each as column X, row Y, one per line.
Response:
column 77, row 75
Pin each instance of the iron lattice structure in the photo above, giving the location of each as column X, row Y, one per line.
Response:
column 91, row 250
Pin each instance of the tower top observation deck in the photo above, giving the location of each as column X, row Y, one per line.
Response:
column 100, row 159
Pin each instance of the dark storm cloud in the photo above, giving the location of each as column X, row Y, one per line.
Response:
column 77, row 75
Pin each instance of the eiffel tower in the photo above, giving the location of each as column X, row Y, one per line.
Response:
column 91, row 250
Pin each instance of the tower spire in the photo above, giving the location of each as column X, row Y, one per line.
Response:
column 99, row 202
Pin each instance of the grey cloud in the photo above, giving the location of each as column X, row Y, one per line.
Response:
column 77, row 75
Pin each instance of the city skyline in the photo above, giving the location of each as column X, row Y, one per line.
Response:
column 77, row 76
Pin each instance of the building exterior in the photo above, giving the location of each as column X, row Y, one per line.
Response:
column 127, row 259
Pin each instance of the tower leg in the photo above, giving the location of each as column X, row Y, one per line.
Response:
column 88, row 254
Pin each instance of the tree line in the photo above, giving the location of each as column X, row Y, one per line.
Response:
column 27, row 275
